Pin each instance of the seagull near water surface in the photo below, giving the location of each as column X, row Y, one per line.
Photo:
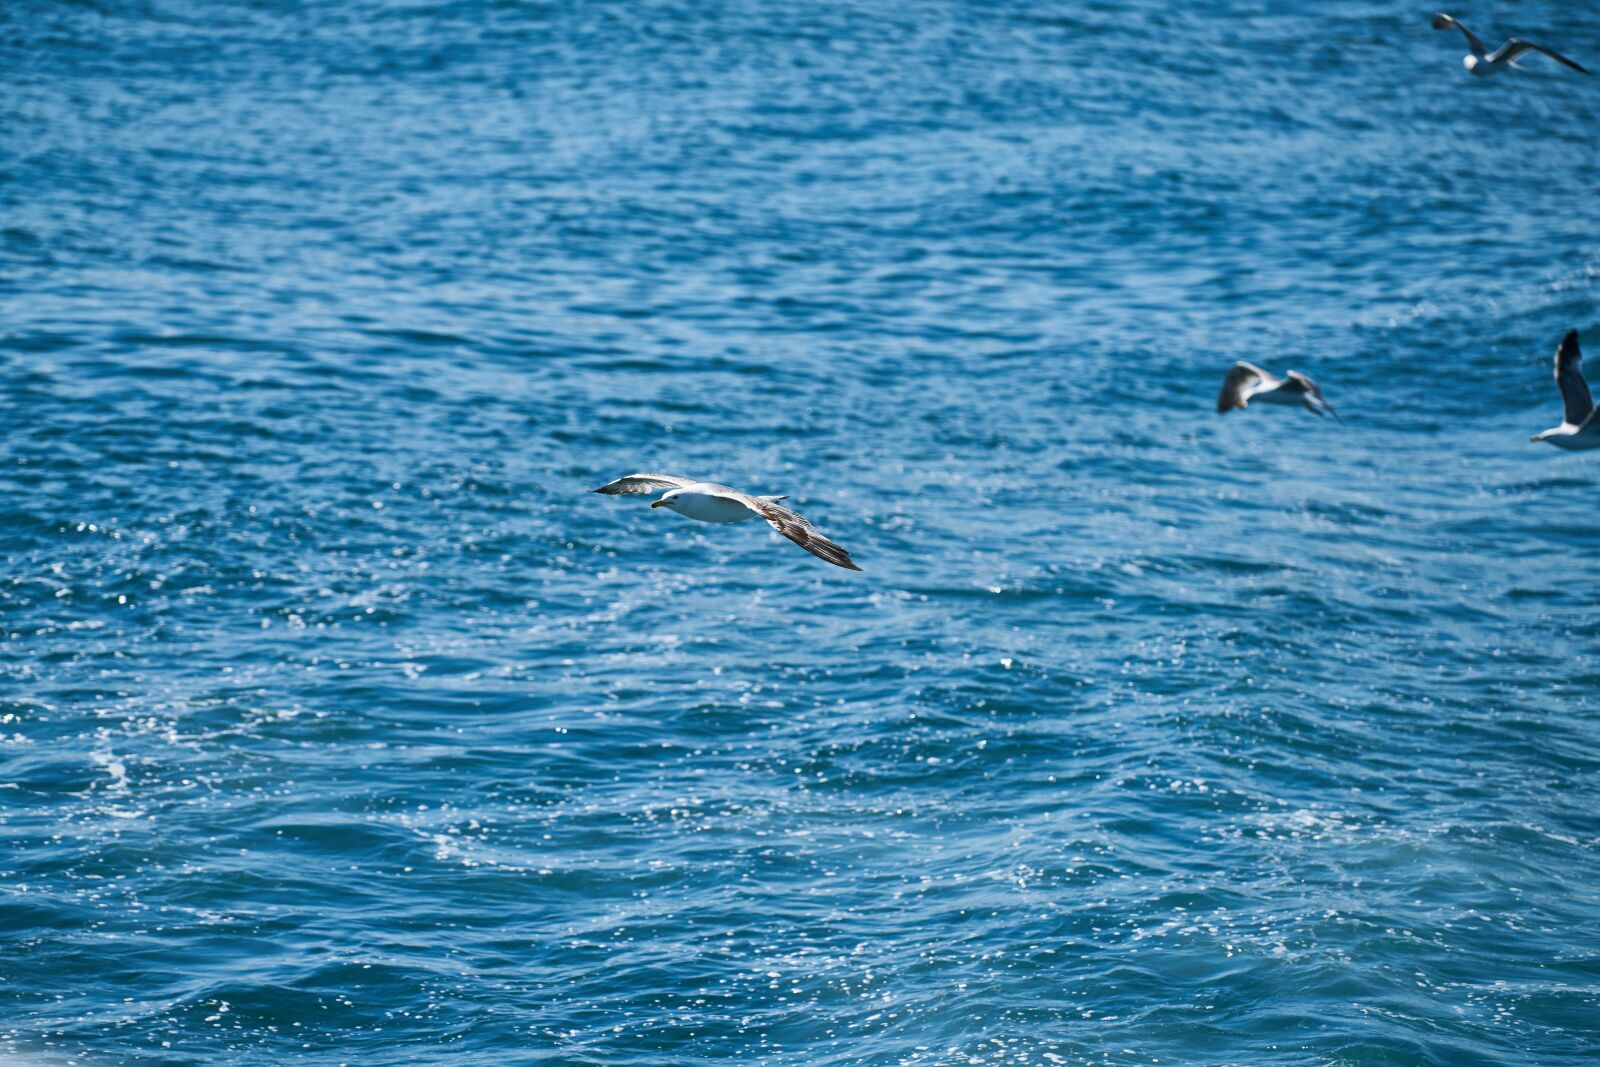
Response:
column 1580, row 428
column 1247, row 382
column 1482, row 62
column 709, row 502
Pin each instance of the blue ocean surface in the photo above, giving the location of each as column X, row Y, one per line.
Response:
column 340, row 723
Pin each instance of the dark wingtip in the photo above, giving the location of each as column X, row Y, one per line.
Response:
column 1568, row 350
column 1441, row 21
column 841, row 559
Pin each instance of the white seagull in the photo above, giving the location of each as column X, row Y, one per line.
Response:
column 1481, row 62
column 708, row 502
column 1247, row 382
column 1580, row 428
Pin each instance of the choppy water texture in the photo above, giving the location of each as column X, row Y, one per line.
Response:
column 340, row 725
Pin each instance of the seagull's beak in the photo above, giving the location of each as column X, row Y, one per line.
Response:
column 658, row 503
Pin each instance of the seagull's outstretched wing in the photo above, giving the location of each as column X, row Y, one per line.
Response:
column 1243, row 380
column 1577, row 404
column 1313, row 394
column 644, row 483
column 1441, row 21
column 794, row 526
column 1517, row 46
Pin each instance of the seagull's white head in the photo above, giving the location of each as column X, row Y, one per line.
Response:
column 1471, row 63
column 668, row 500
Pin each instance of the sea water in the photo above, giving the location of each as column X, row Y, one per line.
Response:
column 339, row 723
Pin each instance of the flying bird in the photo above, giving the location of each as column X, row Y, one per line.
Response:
column 708, row 502
column 1247, row 382
column 1580, row 428
column 1481, row 62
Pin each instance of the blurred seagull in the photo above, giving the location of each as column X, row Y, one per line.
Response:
column 1481, row 63
column 1579, row 428
column 707, row 502
column 1247, row 382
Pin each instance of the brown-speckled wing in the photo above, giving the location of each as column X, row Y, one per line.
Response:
column 794, row 526
column 1241, row 381
column 644, row 483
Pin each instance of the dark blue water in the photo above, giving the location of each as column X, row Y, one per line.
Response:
column 338, row 724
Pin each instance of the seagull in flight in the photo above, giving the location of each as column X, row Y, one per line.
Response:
column 1580, row 428
column 1481, row 62
column 708, row 502
column 1247, row 382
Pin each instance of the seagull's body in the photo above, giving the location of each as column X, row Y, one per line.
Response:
column 1246, row 382
column 1482, row 62
column 1580, row 420
column 710, row 502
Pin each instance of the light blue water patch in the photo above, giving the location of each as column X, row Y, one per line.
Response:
column 340, row 723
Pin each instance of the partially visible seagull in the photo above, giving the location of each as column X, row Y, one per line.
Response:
column 1580, row 422
column 708, row 502
column 1247, row 382
column 1480, row 62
